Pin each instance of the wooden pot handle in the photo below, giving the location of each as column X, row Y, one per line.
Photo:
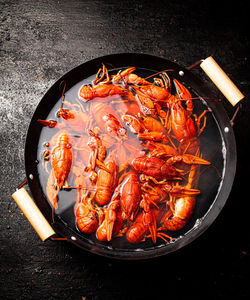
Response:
column 221, row 80
column 33, row 214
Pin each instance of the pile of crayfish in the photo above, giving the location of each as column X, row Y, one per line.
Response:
column 130, row 146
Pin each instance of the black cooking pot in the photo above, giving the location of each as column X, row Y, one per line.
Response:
column 217, row 142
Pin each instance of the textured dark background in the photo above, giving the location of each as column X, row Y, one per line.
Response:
column 40, row 41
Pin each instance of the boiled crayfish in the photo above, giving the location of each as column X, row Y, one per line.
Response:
column 131, row 148
column 61, row 161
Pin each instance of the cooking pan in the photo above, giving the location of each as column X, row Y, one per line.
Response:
column 217, row 142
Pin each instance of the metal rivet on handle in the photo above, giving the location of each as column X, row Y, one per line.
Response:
column 31, row 176
column 226, row 129
column 73, row 238
column 181, row 73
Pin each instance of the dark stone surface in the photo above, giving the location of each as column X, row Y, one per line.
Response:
column 40, row 41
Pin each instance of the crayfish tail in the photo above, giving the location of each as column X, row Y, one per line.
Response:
column 175, row 223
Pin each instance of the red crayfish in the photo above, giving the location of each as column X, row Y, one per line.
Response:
column 131, row 148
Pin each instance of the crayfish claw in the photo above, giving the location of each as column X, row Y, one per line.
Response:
column 110, row 224
column 50, row 124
